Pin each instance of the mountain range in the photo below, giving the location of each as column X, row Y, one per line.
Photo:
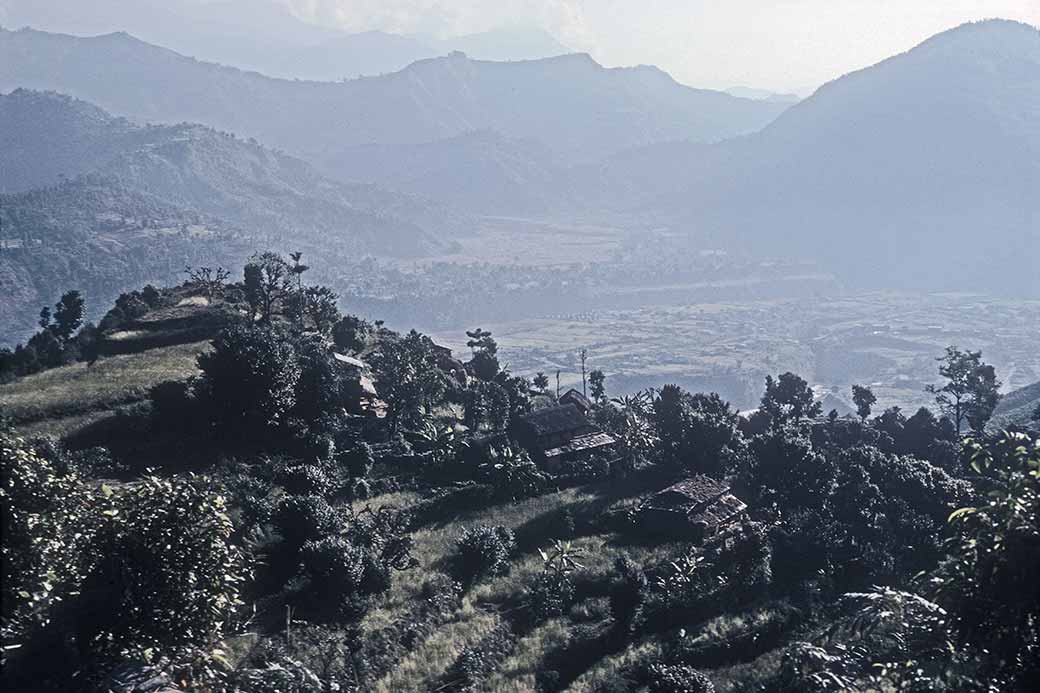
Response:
column 264, row 36
column 569, row 103
column 919, row 172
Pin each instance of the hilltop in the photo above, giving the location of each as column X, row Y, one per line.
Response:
column 48, row 136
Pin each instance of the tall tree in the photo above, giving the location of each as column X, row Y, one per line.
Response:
column 484, row 364
column 971, row 391
column 251, row 375
column 407, row 378
column 268, row 281
column 541, row 382
column 68, row 315
column 597, row 380
column 481, row 341
column 583, row 354
column 789, row 398
column 319, row 304
column 864, row 399
column 297, row 269
column 697, row 432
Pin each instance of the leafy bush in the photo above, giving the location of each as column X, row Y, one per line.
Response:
column 553, row 590
column 251, row 377
column 480, row 660
column 513, row 476
column 173, row 404
column 483, row 551
column 358, row 460
column 304, row 518
column 318, row 392
column 169, row 574
column 305, row 480
column 551, row 595
column 676, row 678
column 360, row 489
column 48, row 522
column 310, row 443
column 351, row 333
column 340, row 575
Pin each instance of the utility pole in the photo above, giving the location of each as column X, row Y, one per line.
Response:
column 557, row 384
column 583, row 354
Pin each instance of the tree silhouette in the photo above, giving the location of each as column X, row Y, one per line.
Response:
column 863, row 398
column 789, row 398
column 971, row 391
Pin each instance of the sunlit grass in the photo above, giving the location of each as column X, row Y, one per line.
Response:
column 78, row 389
column 612, row 667
column 430, row 660
column 742, row 676
column 517, row 673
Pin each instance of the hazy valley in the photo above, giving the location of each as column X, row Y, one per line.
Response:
column 444, row 361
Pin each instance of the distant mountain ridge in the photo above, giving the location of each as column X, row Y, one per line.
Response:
column 46, row 137
column 570, row 103
column 372, row 53
column 934, row 154
column 265, row 36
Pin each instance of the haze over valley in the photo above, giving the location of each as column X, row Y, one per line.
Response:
column 584, row 188
column 551, row 346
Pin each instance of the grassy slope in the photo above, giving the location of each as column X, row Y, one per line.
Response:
column 63, row 400
column 483, row 604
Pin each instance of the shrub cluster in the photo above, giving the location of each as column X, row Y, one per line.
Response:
column 305, row 480
column 340, row 576
column 483, row 551
column 144, row 565
column 677, row 678
column 305, row 518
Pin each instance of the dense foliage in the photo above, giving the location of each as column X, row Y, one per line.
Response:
column 368, row 496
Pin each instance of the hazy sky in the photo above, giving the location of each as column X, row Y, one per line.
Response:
column 778, row 44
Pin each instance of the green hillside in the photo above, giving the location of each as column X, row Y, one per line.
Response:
column 104, row 238
column 305, row 501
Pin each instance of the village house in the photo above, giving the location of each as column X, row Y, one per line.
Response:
column 699, row 507
column 579, row 400
column 449, row 364
column 560, row 433
column 364, row 398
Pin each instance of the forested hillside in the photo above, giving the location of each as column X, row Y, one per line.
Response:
column 1019, row 407
column 315, row 502
column 216, row 173
column 103, row 237
column 108, row 202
